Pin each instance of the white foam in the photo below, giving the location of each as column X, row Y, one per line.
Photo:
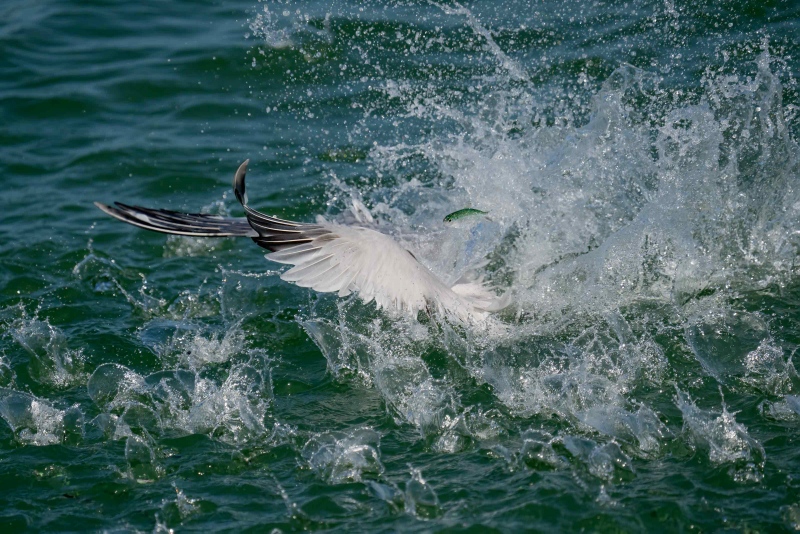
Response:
column 235, row 411
column 768, row 369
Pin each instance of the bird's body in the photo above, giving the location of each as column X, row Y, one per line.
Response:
column 330, row 257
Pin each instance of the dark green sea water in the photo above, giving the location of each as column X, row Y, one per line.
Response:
column 641, row 168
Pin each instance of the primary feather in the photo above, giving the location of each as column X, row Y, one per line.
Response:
column 330, row 257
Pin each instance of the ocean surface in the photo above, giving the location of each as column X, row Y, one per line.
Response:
column 640, row 165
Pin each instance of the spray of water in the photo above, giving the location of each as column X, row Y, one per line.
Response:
column 631, row 233
column 631, row 222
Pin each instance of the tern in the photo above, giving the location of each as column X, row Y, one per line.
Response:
column 329, row 257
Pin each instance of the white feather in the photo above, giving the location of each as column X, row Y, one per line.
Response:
column 353, row 259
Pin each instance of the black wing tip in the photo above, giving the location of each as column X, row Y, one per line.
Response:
column 118, row 206
column 238, row 183
column 114, row 211
column 120, row 210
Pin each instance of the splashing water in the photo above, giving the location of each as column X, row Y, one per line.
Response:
column 631, row 241
column 637, row 225
column 632, row 229
column 644, row 209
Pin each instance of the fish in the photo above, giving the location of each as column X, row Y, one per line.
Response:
column 460, row 214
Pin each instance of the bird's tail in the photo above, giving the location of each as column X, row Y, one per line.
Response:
column 174, row 222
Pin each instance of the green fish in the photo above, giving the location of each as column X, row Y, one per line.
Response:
column 460, row 214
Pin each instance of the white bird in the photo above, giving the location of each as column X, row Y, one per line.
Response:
column 330, row 257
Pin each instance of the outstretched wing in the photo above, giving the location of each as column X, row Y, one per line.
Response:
column 174, row 222
column 353, row 259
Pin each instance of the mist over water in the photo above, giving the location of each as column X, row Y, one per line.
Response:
column 640, row 169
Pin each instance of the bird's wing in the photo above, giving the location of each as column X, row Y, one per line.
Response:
column 353, row 259
column 174, row 222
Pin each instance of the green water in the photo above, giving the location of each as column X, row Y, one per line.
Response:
column 641, row 167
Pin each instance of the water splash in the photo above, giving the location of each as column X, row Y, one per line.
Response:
column 391, row 363
column 342, row 457
column 50, row 360
column 631, row 232
column 230, row 403
column 421, row 499
column 288, row 28
column 192, row 344
column 726, row 441
column 514, row 70
column 36, row 421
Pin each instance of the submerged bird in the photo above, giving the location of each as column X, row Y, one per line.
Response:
column 330, row 257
